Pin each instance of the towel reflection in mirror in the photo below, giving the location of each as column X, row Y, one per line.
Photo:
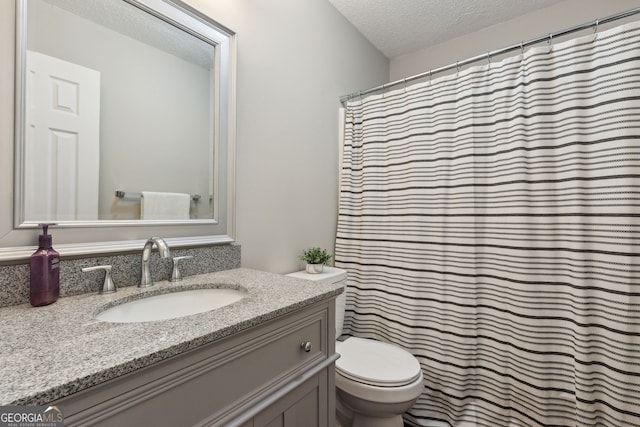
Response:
column 160, row 205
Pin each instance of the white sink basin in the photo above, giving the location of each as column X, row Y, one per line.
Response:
column 171, row 305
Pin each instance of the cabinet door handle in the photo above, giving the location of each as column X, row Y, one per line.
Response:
column 306, row 346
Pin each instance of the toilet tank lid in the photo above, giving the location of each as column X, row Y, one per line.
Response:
column 328, row 275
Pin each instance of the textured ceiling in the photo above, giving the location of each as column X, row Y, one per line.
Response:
column 130, row 21
column 397, row 27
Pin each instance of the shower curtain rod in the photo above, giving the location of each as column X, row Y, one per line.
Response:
column 549, row 37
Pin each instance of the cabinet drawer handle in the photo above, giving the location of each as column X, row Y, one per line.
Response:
column 306, row 346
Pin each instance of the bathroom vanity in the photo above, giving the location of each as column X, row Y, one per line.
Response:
column 267, row 359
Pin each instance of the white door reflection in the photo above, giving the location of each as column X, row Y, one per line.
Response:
column 62, row 140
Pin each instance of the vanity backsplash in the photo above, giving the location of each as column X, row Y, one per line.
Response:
column 126, row 268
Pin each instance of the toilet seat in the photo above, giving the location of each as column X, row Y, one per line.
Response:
column 375, row 382
column 376, row 363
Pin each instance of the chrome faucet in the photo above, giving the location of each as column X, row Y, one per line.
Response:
column 163, row 249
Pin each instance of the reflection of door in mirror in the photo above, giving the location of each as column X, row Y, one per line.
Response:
column 167, row 105
column 62, row 140
column 157, row 101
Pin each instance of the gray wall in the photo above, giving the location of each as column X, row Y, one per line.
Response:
column 295, row 59
column 562, row 15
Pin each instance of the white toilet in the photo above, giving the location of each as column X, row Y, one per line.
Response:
column 376, row 382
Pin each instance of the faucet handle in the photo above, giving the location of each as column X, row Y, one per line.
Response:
column 108, row 286
column 176, row 276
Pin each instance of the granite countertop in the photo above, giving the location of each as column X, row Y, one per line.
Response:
column 51, row 352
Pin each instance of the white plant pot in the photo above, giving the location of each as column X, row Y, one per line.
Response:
column 314, row 268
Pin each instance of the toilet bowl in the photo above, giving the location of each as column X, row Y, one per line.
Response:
column 376, row 382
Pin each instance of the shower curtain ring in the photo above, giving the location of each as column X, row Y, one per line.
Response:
column 457, row 67
column 595, row 30
column 489, row 57
column 550, row 42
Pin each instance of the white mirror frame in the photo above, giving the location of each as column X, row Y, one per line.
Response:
column 17, row 239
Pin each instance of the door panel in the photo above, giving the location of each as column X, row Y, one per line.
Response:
column 62, row 140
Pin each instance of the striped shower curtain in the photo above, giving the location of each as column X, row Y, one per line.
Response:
column 489, row 222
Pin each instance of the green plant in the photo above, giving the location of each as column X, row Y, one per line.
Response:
column 315, row 256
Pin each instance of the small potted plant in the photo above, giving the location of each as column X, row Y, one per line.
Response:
column 315, row 258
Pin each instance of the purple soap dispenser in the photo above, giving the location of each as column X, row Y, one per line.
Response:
column 44, row 284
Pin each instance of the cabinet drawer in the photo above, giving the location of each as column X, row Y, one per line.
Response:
column 209, row 385
column 272, row 357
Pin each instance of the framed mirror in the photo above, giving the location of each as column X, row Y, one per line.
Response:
column 124, row 125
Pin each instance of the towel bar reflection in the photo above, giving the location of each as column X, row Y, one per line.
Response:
column 136, row 195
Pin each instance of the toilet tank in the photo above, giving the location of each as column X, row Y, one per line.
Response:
column 330, row 275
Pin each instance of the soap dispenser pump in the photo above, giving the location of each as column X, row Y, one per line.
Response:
column 44, row 282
